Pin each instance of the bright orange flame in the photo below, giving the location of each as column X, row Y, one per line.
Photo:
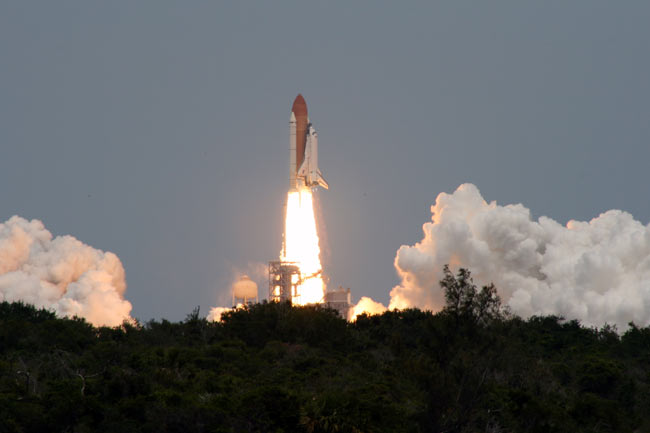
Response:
column 301, row 246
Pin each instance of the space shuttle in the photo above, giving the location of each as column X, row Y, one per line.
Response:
column 303, row 149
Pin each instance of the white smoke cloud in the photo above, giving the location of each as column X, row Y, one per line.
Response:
column 215, row 313
column 61, row 274
column 368, row 306
column 597, row 272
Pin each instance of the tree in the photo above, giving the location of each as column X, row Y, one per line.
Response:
column 463, row 300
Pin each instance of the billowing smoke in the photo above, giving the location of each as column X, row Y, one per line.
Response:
column 215, row 313
column 368, row 306
column 597, row 272
column 61, row 274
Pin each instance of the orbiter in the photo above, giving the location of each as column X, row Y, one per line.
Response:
column 303, row 149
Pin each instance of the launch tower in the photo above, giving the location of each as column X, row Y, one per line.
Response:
column 284, row 279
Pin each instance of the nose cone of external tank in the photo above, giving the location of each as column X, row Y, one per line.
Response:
column 299, row 106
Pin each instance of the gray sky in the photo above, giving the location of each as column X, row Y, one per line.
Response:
column 159, row 130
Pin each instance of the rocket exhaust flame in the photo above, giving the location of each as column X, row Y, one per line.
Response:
column 301, row 246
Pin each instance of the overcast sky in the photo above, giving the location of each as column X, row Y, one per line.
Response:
column 159, row 130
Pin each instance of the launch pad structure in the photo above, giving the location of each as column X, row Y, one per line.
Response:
column 339, row 300
column 284, row 279
column 284, row 285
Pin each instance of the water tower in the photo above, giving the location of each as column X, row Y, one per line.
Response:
column 244, row 292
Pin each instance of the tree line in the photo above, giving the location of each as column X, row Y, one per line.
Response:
column 273, row 367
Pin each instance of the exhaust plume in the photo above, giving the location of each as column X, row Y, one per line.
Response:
column 301, row 246
column 597, row 272
column 61, row 274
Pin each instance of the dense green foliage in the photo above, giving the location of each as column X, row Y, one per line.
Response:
column 274, row 367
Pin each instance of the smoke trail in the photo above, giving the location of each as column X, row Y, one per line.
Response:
column 61, row 274
column 597, row 272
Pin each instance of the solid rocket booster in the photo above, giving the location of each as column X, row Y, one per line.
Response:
column 303, row 149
